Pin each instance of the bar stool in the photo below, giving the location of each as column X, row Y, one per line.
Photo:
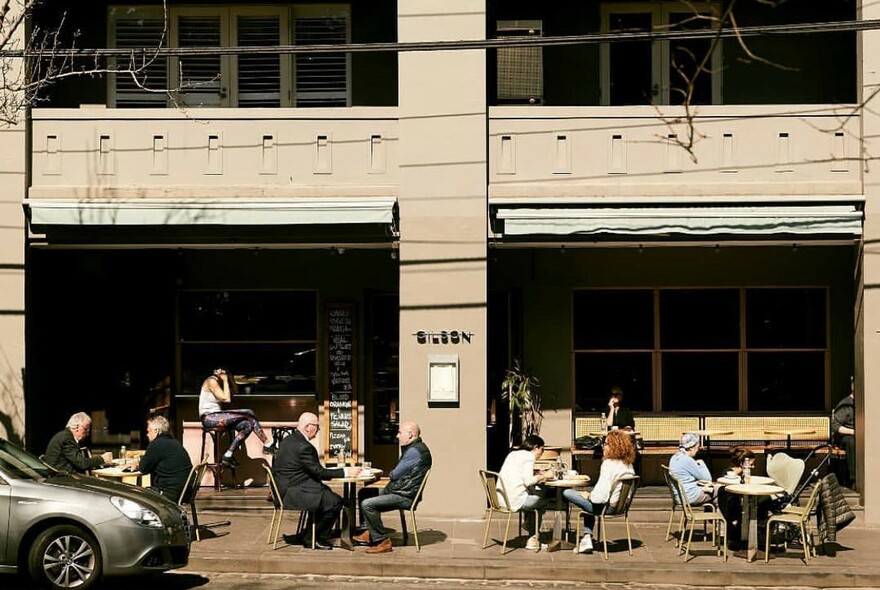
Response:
column 216, row 465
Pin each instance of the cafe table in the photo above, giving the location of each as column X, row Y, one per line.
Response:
column 349, row 502
column 788, row 433
column 751, row 492
column 581, row 481
column 119, row 473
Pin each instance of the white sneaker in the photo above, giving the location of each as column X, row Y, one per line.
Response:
column 586, row 544
column 533, row 544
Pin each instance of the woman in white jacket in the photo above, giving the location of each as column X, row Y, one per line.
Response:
column 618, row 456
column 518, row 475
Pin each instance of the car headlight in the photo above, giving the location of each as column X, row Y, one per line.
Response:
column 136, row 512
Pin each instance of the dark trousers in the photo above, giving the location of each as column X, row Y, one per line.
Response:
column 848, row 442
column 325, row 514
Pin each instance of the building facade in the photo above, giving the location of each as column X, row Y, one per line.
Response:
column 459, row 208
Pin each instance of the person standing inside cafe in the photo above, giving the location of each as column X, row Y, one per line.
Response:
column 217, row 390
column 690, row 471
column 166, row 461
column 400, row 493
column 300, row 478
column 618, row 456
column 617, row 415
column 843, row 429
column 64, row 452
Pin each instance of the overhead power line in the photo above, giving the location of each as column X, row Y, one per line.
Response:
column 518, row 41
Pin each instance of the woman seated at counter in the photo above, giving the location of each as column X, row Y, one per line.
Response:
column 690, row 471
column 618, row 457
column 217, row 390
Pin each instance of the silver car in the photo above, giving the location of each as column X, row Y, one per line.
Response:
column 68, row 531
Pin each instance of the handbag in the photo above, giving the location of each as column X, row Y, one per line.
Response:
column 588, row 443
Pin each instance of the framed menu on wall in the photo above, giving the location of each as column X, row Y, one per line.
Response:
column 340, row 405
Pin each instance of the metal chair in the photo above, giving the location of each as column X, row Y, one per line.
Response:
column 676, row 505
column 412, row 514
column 278, row 512
column 795, row 515
column 628, row 486
column 498, row 501
column 692, row 517
column 189, row 492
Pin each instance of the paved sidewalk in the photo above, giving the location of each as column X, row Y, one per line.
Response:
column 451, row 548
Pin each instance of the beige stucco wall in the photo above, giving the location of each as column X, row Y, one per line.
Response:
column 12, row 154
column 868, row 315
column 443, row 239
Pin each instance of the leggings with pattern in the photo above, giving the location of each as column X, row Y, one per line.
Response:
column 242, row 421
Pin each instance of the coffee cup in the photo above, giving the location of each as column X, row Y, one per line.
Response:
column 571, row 473
column 731, row 475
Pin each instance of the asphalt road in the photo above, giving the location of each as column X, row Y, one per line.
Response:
column 193, row 580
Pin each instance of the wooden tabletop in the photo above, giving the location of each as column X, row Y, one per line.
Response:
column 115, row 472
column 568, row 483
column 354, row 479
column 710, row 433
column 754, row 489
column 791, row 431
column 756, row 480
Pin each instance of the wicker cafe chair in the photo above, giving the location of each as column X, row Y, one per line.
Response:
column 412, row 514
column 189, row 492
column 676, row 505
column 498, row 502
column 794, row 515
column 692, row 517
column 628, row 486
column 278, row 512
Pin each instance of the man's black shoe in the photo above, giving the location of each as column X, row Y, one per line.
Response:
column 293, row 539
column 319, row 544
column 230, row 462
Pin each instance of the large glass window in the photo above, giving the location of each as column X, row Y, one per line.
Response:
column 267, row 339
column 729, row 349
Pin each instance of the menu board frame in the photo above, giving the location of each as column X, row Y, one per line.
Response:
column 341, row 373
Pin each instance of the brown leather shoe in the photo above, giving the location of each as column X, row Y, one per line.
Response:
column 362, row 539
column 383, row 546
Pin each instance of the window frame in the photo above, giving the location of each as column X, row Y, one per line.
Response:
column 742, row 350
column 660, row 52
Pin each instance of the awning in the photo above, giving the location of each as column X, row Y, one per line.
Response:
column 223, row 212
column 839, row 221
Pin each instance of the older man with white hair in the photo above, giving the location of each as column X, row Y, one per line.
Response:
column 166, row 461
column 64, row 452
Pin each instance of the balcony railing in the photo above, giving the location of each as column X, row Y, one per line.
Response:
column 646, row 151
column 99, row 152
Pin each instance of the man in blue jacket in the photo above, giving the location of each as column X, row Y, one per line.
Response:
column 400, row 493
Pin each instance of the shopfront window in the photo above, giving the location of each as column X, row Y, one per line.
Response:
column 267, row 339
column 699, row 350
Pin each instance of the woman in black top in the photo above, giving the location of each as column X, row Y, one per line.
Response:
column 617, row 415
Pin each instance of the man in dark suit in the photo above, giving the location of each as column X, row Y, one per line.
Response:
column 299, row 476
column 64, row 453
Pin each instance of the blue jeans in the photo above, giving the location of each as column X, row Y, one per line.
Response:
column 372, row 509
column 584, row 504
column 533, row 502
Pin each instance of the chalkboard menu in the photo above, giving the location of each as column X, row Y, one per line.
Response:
column 341, row 409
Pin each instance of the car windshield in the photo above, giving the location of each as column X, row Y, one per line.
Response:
column 17, row 463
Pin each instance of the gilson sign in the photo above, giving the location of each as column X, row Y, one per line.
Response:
column 443, row 337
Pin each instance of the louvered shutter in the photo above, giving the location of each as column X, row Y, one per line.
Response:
column 321, row 79
column 259, row 76
column 200, row 82
column 145, row 73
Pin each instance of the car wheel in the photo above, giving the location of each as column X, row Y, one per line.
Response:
column 65, row 556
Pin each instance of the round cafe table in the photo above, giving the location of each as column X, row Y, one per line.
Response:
column 131, row 477
column 752, row 491
column 349, row 504
column 561, row 484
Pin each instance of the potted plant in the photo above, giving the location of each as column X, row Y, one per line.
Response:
column 519, row 388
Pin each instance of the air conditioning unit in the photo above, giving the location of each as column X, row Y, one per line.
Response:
column 520, row 69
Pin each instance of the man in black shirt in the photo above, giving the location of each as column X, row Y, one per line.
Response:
column 843, row 430
column 166, row 461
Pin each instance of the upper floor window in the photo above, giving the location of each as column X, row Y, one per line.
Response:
column 253, row 79
column 678, row 71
